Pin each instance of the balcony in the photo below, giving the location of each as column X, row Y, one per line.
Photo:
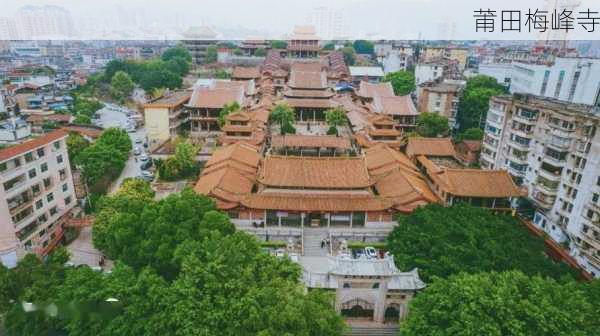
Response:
column 550, row 176
column 523, row 146
column 547, row 187
column 591, row 238
column 25, row 232
column 543, row 201
column 15, row 183
column 525, row 120
column 20, row 202
column 592, row 258
column 520, row 158
column 23, row 217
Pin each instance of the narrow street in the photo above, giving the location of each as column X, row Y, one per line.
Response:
column 82, row 249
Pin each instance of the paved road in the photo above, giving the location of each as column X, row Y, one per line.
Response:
column 118, row 118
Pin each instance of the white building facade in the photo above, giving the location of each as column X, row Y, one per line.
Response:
column 36, row 196
column 570, row 79
column 552, row 148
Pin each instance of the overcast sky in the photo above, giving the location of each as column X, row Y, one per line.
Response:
column 428, row 19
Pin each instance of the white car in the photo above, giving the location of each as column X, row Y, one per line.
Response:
column 144, row 157
column 146, row 175
column 371, row 252
column 138, row 141
column 137, row 151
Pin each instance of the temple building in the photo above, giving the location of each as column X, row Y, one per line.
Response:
column 379, row 98
column 206, row 103
column 303, row 43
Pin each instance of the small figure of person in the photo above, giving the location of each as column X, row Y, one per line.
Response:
column 322, row 243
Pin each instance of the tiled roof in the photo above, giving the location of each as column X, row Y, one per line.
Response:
column 311, row 172
column 310, row 102
column 223, row 92
column 89, row 131
column 308, row 93
column 369, row 90
column 245, row 72
column 479, row 183
column 27, row 146
column 60, row 118
column 472, row 145
column 397, row 105
column 238, row 116
column 315, row 202
column 242, row 153
column 171, row 100
column 430, row 147
column 326, row 141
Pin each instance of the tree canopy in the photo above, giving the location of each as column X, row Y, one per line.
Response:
column 121, row 85
column 278, row 44
column 442, row 241
column 181, row 269
column 260, row 52
column 284, row 115
column 349, row 55
column 335, row 117
column 471, row 134
column 432, row 125
column 211, row 54
column 329, row 46
column 501, row 304
column 103, row 161
column 75, row 145
column 403, row 82
column 364, row 47
column 474, row 103
column 182, row 164
column 177, row 52
column 226, row 110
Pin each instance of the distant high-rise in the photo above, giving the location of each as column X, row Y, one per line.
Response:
column 329, row 23
column 44, row 21
column 8, row 29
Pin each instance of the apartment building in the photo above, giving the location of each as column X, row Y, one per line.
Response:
column 571, row 79
column 36, row 196
column 551, row 147
column 165, row 116
column 441, row 98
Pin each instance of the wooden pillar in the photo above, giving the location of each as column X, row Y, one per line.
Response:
column 351, row 216
column 328, row 220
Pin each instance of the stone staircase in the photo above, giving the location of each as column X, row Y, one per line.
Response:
column 374, row 331
column 312, row 242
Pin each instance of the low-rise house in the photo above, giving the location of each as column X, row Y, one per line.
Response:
column 166, row 116
column 441, row 98
column 371, row 74
column 467, row 151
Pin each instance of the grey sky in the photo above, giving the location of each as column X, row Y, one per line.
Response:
column 428, row 19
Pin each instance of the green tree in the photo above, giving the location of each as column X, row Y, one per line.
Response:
column 403, row 82
column 278, row 44
column 178, row 65
column 238, row 52
column 182, row 164
column 471, row 134
column 226, row 110
column 329, row 46
column 177, row 52
column 222, row 74
column 364, row 47
column 82, row 119
column 287, row 128
column 349, row 55
column 509, row 303
column 431, row 125
column 442, row 241
column 75, row 145
column 474, row 103
column 121, row 85
column 103, row 161
column 335, row 117
column 211, row 54
column 159, row 78
column 283, row 115
column 260, row 52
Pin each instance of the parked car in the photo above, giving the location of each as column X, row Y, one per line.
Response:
column 146, row 165
column 144, row 157
column 137, row 151
column 146, row 175
column 138, row 141
column 371, row 252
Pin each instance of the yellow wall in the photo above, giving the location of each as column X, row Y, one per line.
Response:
column 459, row 55
column 157, row 124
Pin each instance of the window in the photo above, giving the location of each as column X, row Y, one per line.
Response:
column 545, row 82
column 65, row 187
column 347, row 285
column 59, row 159
column 44, row 167
column 47, row 182
column 376, row 285
column 42, row 218
column 561, row 78
column 56, row 144
column 50, row 197
column 53, row 211
column 35, row 189
column 595, row 198
column 41, row 152
column 3, row 166
column 68, row 200
column 32, row 173
column 39, row 204
column 42, row 232
column 29, row 157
